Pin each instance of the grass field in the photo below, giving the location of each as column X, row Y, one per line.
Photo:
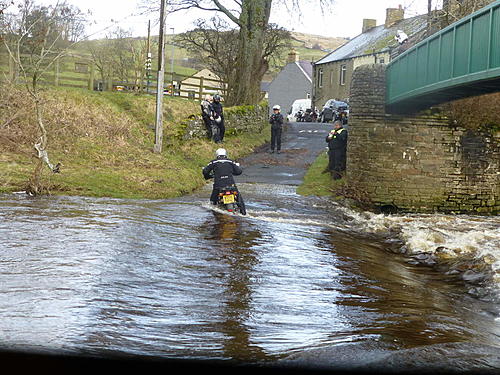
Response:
column 104, row 141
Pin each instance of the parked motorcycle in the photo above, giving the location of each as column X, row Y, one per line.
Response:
column 314, row 115
column 341, row 116
column 215, row 129
column 230, row 200
column 308, row 115
column 299, row 116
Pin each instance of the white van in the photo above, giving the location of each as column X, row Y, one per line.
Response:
column 297, row 105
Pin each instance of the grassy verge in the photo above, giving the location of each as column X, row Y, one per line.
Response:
column 104, row 142
column 318, row 183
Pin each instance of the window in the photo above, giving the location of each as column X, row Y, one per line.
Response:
column 343, row 69
column 308, row 95
column 320, row 78
column 381, row 60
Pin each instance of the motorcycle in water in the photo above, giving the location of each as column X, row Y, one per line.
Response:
column 229, row 199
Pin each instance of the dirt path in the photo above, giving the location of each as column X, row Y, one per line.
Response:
column 301, row 144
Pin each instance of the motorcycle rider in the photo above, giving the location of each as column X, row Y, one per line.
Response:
column 276, row 121
column 207, row 114
column 219, row 117
column 222, row 169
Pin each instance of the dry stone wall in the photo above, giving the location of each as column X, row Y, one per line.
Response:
column 237, row 120
column 418, row 163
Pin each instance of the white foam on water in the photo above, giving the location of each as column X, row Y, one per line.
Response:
column 446, row 236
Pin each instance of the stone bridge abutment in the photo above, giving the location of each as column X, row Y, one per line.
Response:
column 419, row 162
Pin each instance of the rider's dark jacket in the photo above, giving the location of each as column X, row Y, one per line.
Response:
column 217, row 108
column 276, row 120
column 337, row 139
column 222, row 170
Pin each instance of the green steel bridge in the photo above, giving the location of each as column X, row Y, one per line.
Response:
column 459, row 61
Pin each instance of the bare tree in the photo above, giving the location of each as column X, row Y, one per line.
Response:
column 102, row 58
column 4, row 4
column 35, row 40
column 119, row 56
column 453, row 10
column 213, row 43
column 251, row 18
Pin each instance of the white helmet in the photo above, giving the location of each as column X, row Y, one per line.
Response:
column 221, row 152
column 276, row 107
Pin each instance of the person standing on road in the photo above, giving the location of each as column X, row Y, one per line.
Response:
column 219, row 117
column 276, row 121
column 337, row 150
column 207, row 114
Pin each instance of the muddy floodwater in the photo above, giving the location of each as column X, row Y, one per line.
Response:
column 299, row 282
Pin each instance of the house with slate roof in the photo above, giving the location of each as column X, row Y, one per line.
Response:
column 376, row 44
column 293, row 82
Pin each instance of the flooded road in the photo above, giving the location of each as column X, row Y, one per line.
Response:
column 300, row 282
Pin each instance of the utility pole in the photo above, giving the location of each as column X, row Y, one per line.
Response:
column 159, row 85
column 172, row 61
column 148, row 58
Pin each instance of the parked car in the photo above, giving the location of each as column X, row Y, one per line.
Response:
column 332, row 110
column 298, row 105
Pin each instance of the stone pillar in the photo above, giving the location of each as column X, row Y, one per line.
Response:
column 368, row 90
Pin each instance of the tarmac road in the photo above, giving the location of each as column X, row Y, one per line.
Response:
column 301, row 144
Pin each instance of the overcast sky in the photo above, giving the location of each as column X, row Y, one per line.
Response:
column 343, row 19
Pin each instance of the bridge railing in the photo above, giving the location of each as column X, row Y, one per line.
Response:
column 463, row 52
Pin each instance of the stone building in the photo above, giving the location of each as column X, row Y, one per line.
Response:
column 293, row 82
column 376, row 44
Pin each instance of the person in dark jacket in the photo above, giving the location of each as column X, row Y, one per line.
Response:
column 207, row 112
column 276, row 121
column 222, row 169
column 219, row 117
column 337, row 150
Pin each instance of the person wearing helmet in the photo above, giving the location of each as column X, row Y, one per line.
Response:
column 276, row 121
column 218, row 117
column 222, row 169
column 207, row 114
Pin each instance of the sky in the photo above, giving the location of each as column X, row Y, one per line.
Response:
column 343, row 19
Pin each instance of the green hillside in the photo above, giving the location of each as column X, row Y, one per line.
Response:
column 309, row 47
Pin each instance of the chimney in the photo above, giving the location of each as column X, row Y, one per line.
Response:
column 293, row 56
column 368, row 24
column 394, row 15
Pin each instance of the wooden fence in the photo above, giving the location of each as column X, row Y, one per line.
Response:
column 80, row 72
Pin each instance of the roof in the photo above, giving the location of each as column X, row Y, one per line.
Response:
column 306, row 67
column 377, row 39
column 194, row 79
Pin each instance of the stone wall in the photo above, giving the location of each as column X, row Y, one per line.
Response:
column 418, row 163
column 237, row 120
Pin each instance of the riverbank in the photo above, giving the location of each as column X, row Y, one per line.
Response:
column 104, row 142
column 317, row 182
